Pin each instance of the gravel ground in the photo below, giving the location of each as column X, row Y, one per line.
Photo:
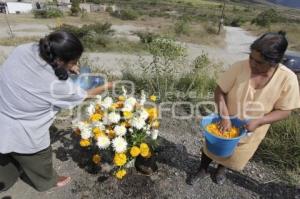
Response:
column 178, row 157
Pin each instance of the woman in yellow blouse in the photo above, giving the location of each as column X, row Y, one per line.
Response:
column 260, row 89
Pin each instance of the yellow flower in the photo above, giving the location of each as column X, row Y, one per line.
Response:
column 120, row 174
column 153, row 98
column 97, row 133
column 120, row 159
column 84, row 143
column 121, row 98
column 97, row 108
column 144, row 148
column 96, row 159
column 155, row 124
column 127, row 114
column 152, row 113
column 111, row 134
column 135, row 151
column 117, row 105
column 126, row 124
column 96, row 117
column 149, row 155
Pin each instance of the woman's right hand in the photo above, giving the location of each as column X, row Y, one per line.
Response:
column 225, row 125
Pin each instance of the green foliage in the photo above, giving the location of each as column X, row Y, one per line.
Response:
column 181, row 27
column 266, row 18
column 281, row 147
column 126, row 14
column 48, row 13
column 163, row 75
column 166, row 50
column 146, row 37
column 75, row 9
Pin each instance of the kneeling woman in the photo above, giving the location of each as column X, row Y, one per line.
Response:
column 260, row 89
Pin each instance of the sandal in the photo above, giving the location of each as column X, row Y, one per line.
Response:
column 220, row 178
column 63, row 181
column 200, row 175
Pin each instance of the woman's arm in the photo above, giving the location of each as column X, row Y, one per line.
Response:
column 98, row 90
column 220, row 100
column 269, row 118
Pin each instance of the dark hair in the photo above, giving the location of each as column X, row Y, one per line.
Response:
column 272, row 46
column 60, row 45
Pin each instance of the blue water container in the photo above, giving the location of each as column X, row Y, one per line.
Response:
column 219, row 146
column 86, row 79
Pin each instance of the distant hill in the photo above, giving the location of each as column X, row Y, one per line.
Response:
column 288, row 3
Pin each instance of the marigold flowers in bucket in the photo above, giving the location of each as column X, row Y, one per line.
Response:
column 124, row 126
column 214, row 129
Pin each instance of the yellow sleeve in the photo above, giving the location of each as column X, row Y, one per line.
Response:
column 289, row 97
column 227, row 78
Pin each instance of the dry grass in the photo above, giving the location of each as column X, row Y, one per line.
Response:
column 292, row 30
column 17, row 40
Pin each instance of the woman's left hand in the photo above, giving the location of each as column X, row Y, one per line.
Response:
column 252, row 125
column 75, row 69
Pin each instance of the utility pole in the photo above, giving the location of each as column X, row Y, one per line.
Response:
column 221, row 22
column 10, row 30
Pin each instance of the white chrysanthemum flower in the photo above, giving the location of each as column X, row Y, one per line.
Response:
column 98, row 99
column 130, row 130
column 154, row 134
column 127, row 108
column 144, row 114
column 105, row 120
column 138, row 123
column 99, row 125
column 103, row 142
column 130, row 101
column 119, row 144
column 86, row 133
column 91, row 109
column 148, row 133
column 120, row 130
column 107, row 102
column 81, row 125
column 143, row 98
column 114, row 117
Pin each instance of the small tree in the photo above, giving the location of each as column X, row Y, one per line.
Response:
column 75, row 9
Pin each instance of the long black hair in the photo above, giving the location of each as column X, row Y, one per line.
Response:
column 60, row 45
column 272, row 46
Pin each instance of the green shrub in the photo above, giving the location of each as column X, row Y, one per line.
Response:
column 48, row 13
column 126, row 14
column 181, row 27
column 146, row 37
column 266, row 18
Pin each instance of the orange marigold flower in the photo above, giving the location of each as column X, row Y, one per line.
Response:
column 96, row 159
column 85, row 143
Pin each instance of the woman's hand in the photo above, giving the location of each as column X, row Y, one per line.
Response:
column 225, row 125
column 253, row 125
column 109, row 85
column 75, row 69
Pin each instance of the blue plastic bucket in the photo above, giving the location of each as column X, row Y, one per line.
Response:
column 86, row 79
column 223, row 147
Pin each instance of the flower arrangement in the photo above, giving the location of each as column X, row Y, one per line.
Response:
column 214, row 129
column 124, row 125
